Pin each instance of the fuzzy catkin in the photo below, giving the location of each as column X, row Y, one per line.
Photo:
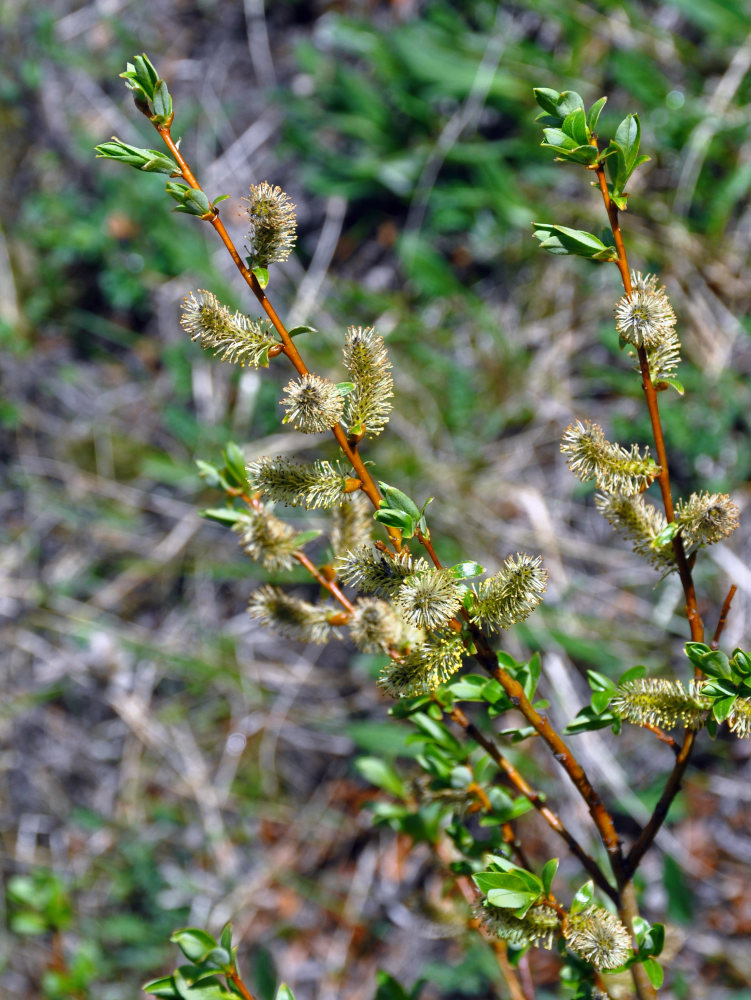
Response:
column 273, row 226
column 232, row 336
column 590, row 456
column 368, row 406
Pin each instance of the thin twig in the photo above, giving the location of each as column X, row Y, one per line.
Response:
column 723, row 617
column 536, row 800
column 368, row 485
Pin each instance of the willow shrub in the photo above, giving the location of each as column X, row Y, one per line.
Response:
column 438, row 627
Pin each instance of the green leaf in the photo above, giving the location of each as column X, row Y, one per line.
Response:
column 569, row 101
column 190, row 200
column 510, row 898
column 654, row 972
column 162, row 987
column 741, row 662
column 632, row 674
column 194, row 943
column 654, row 939
column 438, row 732
column 210, row 474
column 583, row 897
column 284, row 993
column 468, row 687
column 548, row 100
column 575, row 126
column 673, row 383
column 224, row 515
column 628, row 137
column 303, row 537
column 722, row 708
column 588, row 720
column 667, row 535
column 212, row 989
column 712, row 662
column 29, row 922
column 548, row 874
column 593, row 115
column 395, row 519
column 235, row 462
column 298, row 331
column 399, row 501
column 262, row 275
column 559, row 139
column 226, row 937
column 599, row 682
column 562, row 240
column 345, row 388
column 382, row 774
column 162, row 103
column 464, row 570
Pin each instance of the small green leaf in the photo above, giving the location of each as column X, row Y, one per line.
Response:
column 666, row 536
column 593, row 115
column 304, row 537
column 29, row 922
column 162, row 103
column 588, row 720
column 548, row 874
column 548, row 100
column 235, row 462
column 194, row 943
column 742, row 663
column 673, row 383
column 512, row 899
column 345, row 388
column 559, row 139
column 224, row 515
column 399, row 501
column 284, row 993
column 465, row 570
column 569, row 101
column 722, row 707
column 654, row 972
column 395, row 519
column 382, row 774
column 712, row 662
column 262, row 275
column 632, row 674
column 297, row 331
column 163, row 987
column 583, row 897
column 562, row 240
column 575, row 126
column 226, row 938
column 599, row 682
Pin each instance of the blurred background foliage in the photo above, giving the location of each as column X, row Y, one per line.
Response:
column 163, row 760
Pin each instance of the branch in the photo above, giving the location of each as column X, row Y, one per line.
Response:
column 537, row 801
column 288, row 347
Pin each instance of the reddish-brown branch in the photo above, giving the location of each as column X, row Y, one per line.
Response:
column 288, row 346
column 329, row 584
column 239, row 985
column 662, row 736
column 601, row 817
column 723, row 617
column 671, row 789
column 518, row 781
column 472, row 898
column 650, row 395
column 684, row 570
